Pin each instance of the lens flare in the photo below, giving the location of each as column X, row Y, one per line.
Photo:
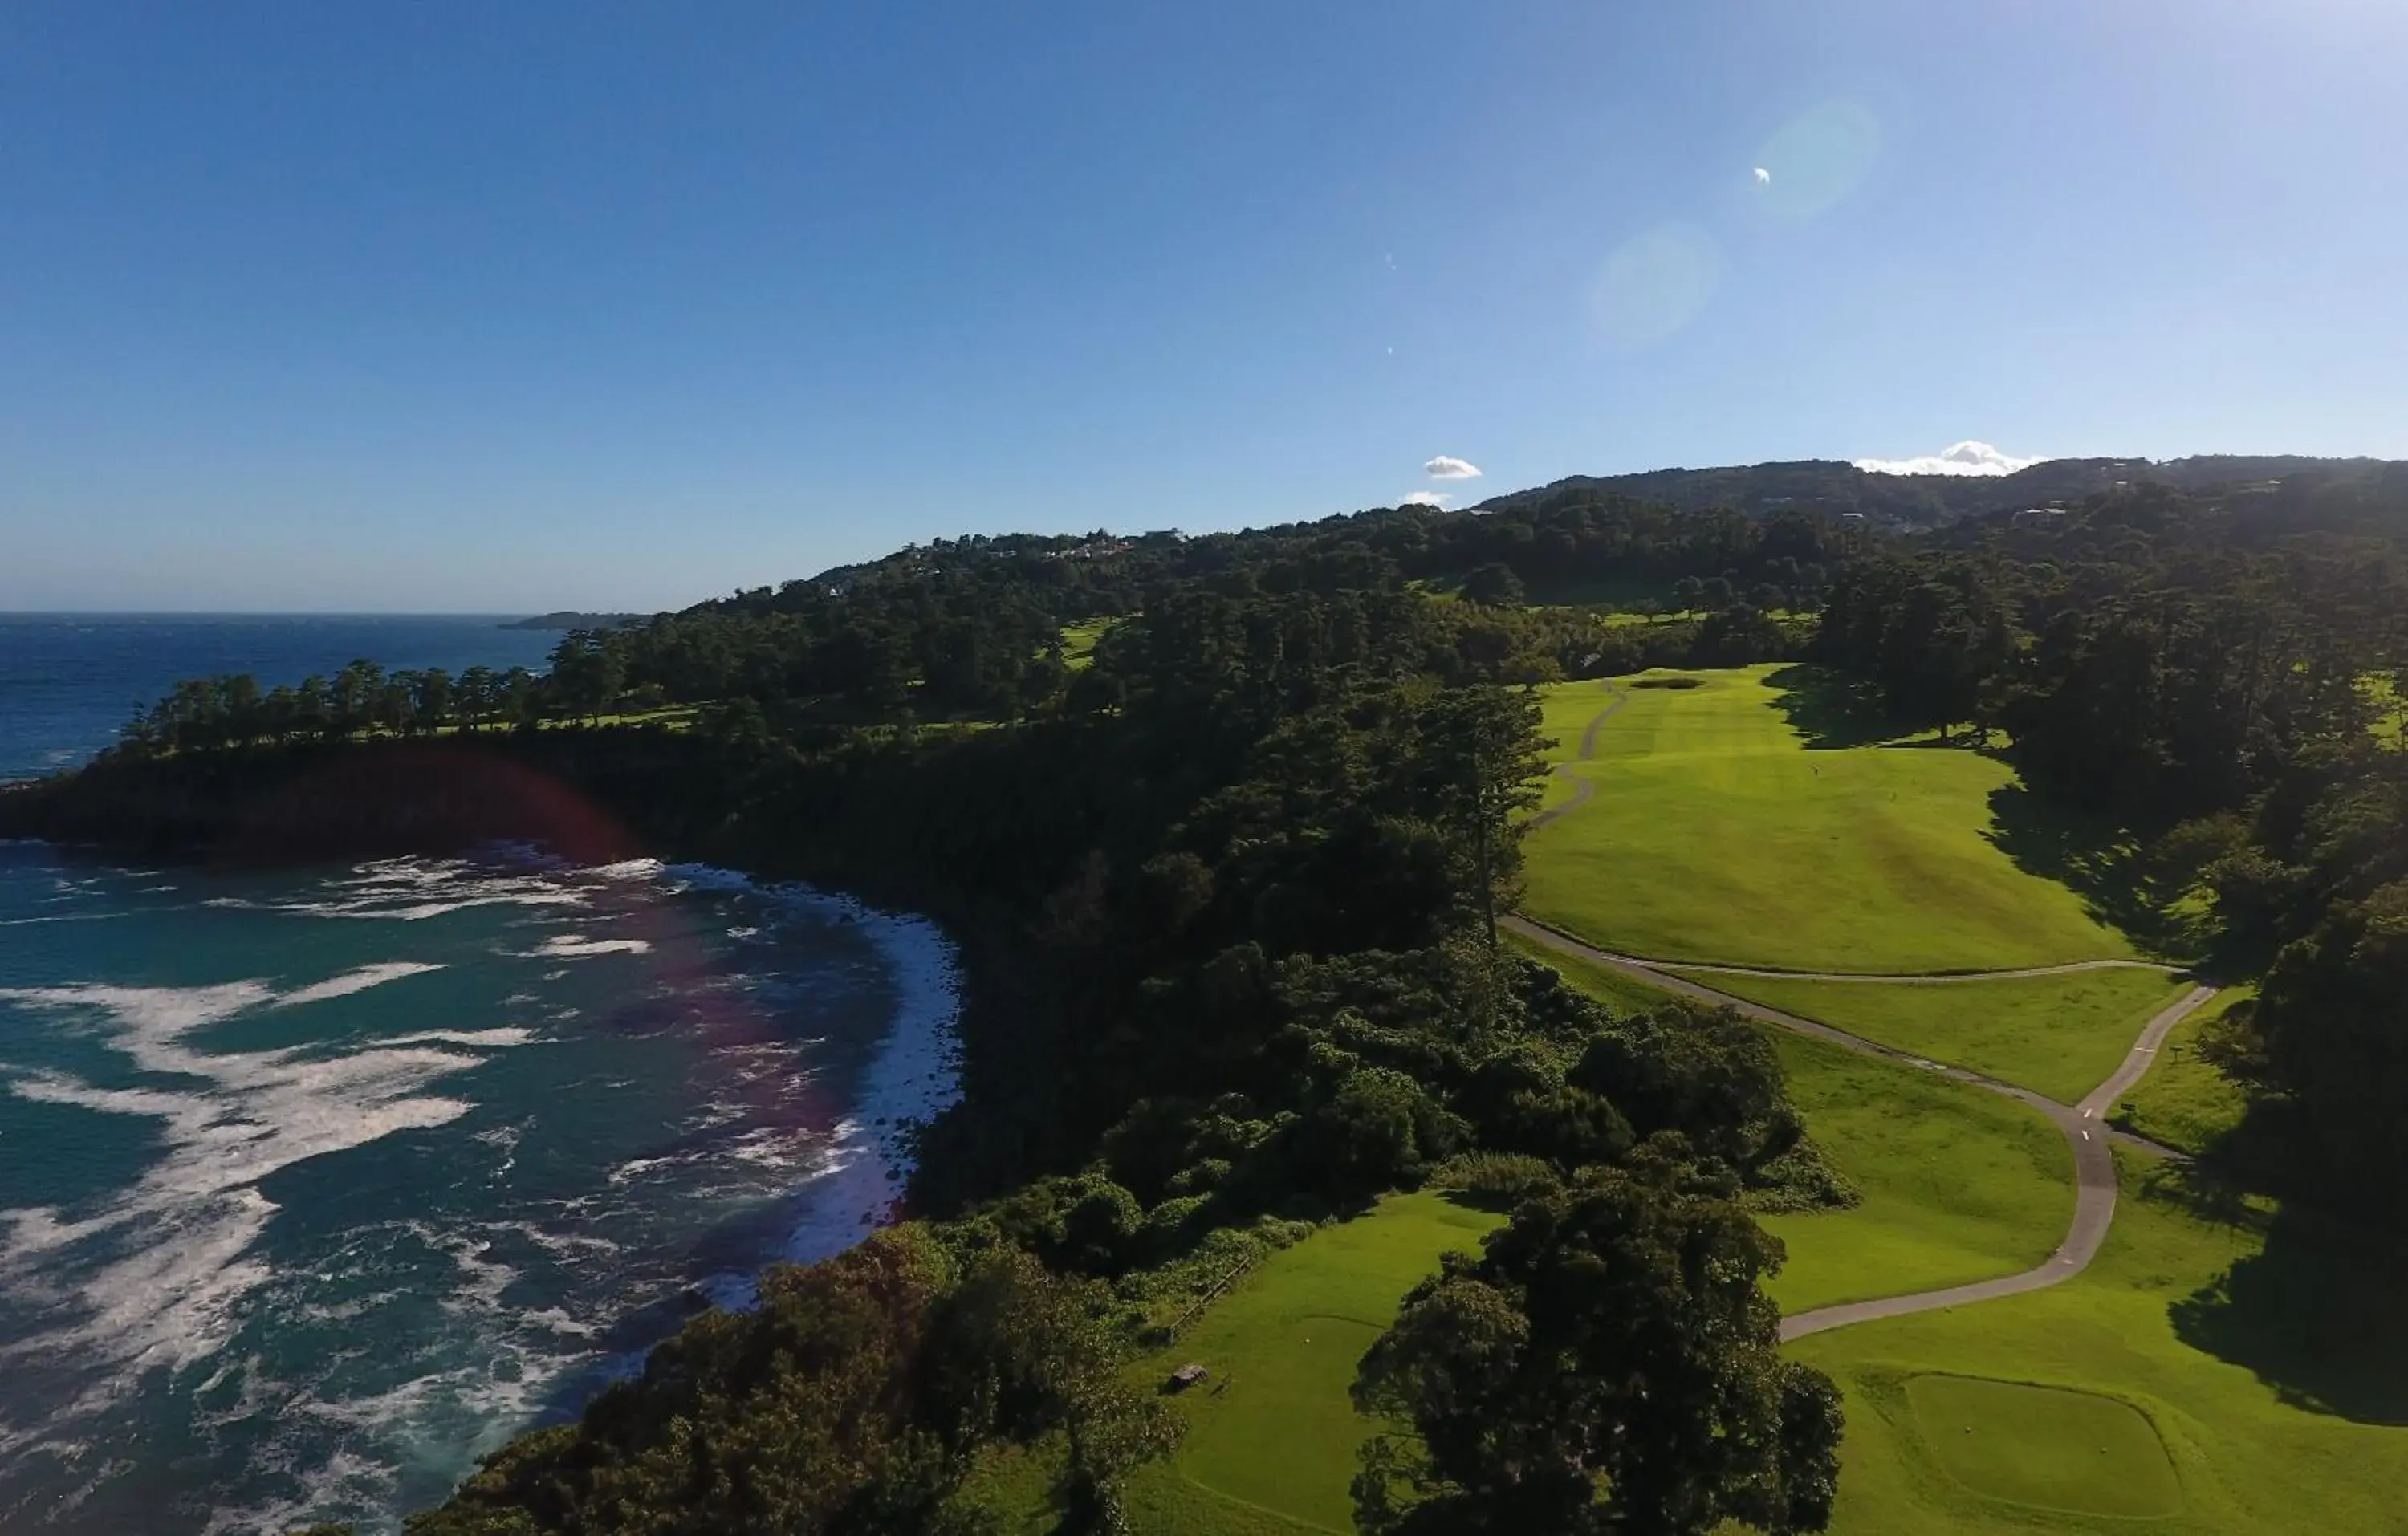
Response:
column 1813, row 161
column 1654, row 284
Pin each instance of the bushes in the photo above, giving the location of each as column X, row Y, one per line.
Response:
column 1497, row 1180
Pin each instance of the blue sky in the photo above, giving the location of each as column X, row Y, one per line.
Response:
column 489, row 308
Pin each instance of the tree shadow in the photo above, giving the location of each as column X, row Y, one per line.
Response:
column 1830, row 708
column 2320, row 1313
column 2106, row 865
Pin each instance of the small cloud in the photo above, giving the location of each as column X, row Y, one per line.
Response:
column 1426, row 498
column 1447, row 467
column 1964, row 458
column 1763, row 177
column 1392, row 261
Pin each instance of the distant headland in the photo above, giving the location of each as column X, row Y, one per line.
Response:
column 571, row 619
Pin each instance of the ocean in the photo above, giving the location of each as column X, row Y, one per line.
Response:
column 317, row 1183
column 69, row 681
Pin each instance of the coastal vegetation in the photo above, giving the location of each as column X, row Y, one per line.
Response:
column 1226, row 825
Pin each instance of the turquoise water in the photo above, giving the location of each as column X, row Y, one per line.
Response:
column 315, row 1184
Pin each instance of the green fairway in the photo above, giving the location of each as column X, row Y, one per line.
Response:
column 1716, row 833
column 2245, row 1458
column 1959, row 1183
column 2185, row 1102
column 1272, row 1435
column 2057, row 1034
column 1079, row 643
column 2044, row 1446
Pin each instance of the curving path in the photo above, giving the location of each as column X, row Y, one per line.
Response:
column 1929, row 978
column 1584, row 790
column 2094, row 1161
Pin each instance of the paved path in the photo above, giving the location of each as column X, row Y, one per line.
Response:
column 2094, row 1162
column 1582, row 789
column 1929, row 978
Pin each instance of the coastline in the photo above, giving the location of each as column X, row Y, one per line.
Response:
column 912, row 1074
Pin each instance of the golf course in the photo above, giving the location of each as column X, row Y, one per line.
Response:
column 2000, row 1305
column 1855, row 895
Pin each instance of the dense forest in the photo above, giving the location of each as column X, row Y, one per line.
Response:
column 1224, row 822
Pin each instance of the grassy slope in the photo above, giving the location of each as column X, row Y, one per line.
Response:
column 2245, row 1460
column 2185, row 1102
column 1882, row 852
column 1958, row 1183
column 1271, row 1438
column 1944, row 1197
column 2058, row 1035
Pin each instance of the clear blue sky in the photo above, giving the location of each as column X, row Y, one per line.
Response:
column 509, row 306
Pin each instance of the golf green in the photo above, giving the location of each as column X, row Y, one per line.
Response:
column 2045, row 1446
column 2249, row 1454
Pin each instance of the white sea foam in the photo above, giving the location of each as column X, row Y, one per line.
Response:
column 634, row 868
column 565, row 946
column 356, row 981
column 160, row 1274
column 913, row 1077
column 411, row 890
column 175, row 1250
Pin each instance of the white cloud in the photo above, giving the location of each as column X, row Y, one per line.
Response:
column 1447, row 467
column 1426, row 498
column 1965, row 458
column 1763, row 177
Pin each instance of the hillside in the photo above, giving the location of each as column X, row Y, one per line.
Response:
column 1834, row 487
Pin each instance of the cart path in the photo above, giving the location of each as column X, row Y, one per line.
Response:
column 2084, row 1127
column 1584, row 790
column 1920, row 978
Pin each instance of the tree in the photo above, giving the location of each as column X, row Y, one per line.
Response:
column 476, row 695
column 589, row 673
column 851, row 1402
column 1481, row 748
column 1611, row 1364
column 1494, row 585
column 434, row 698
column 356, row 689
column 2326, row 1037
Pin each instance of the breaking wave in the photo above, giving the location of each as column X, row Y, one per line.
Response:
column 321, row 1210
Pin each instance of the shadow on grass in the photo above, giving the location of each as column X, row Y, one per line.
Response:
column 2104, row 864
column 1830, row 708
column 2320, row 1314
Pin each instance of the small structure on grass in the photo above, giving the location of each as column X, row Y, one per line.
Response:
column 1186, row 1376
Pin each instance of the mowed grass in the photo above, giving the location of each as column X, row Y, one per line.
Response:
column 1271, row 1438
column 2057, row 1034
column 1079, row 643
column 1718, row 834
column 2044, row 1446
column 2244, row 1459
column 1957, row 1184
column 2185, row 1102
